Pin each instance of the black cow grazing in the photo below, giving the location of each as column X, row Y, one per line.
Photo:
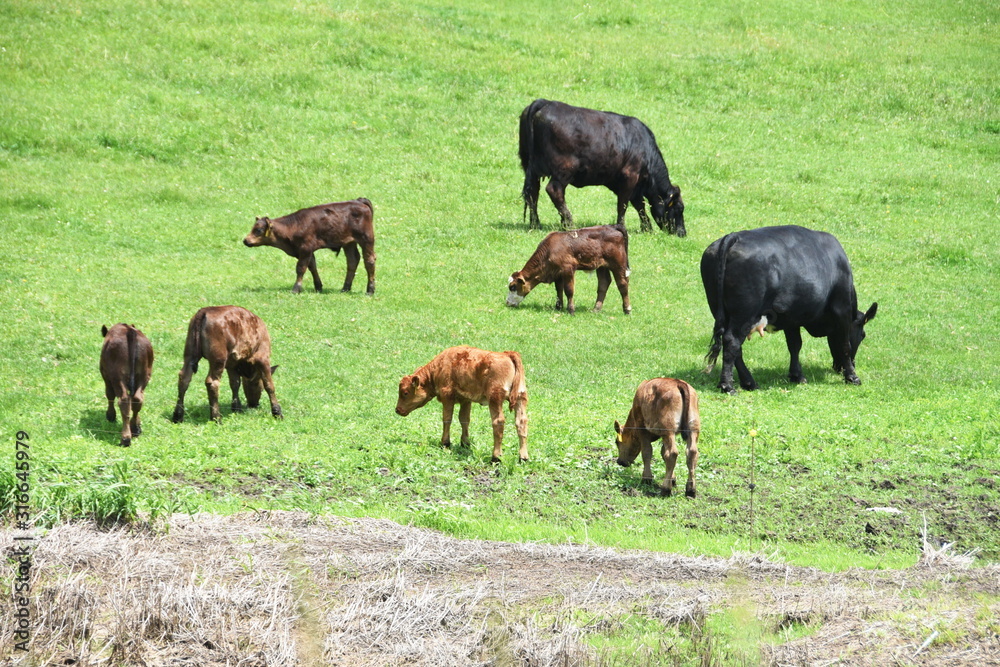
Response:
column 346, row 225
column 126, row 365
column 781, row 278
column 580, row 147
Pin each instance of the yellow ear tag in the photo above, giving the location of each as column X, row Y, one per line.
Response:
column 618, row 437
column 267, row 231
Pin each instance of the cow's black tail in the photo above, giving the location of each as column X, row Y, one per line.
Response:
column 133, row 356
column 526, row 143
column 720, row 309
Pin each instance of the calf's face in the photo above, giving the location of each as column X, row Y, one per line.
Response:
column 628, row 447
column 260, row 233
column 412, row 395
column 517, row 289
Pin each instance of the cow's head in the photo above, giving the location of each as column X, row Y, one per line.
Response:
column 628, row 446
column 253, row 383
column 260, row 234
column 668, row 210
column 413, row 393
column 858, row 328
column 517, row 288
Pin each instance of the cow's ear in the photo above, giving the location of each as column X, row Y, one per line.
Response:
column 414, row 382
column 267, row 227
column 273, row 368
column 870, row 314
column 104, row 329
column 618, row 431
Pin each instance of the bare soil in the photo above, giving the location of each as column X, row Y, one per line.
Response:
column 287, row 588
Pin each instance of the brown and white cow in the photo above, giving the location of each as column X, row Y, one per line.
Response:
column 346, row 225
column 561, row 254
column 234, row 339
column 126, row 366
column 661, row 408
column 466, row 375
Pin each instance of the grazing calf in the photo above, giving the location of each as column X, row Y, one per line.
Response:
column 580, row 147
column 662, row 408
column 126, row 366
column 346, row 225
column 466, row 375
column 781, row 279
column 234, row 339
column 561, row 254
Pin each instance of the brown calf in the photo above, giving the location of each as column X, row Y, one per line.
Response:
column 126, row 365
column 466, row 375
column 339, row 225
column 662, row 408
column 561, row 254
column 234, row 339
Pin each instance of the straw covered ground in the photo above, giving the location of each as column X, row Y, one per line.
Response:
column 285, row 588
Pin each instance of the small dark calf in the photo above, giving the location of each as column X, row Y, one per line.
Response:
column 126, row 366
column 346, row 225
column 234, row 339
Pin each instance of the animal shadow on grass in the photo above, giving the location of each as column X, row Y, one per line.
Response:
column 95, row 423
column 767, row 378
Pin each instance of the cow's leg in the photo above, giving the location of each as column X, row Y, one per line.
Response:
column 622, row 208
column 603, row 283
column 640, row 207
column 557, row 193
column 317, row 283
column 840, row 350
column 498, row 420
column 353, row 258
column 692, row 463
column 521, row 424
column 646, row 451
column 368, row 253
column 621, row 279
column 264, row 371
column 234, row 386
column 138, row 398
column 447, row 411
column 732, row 355
column 125, row 406
column 183, row 380
column 559, row 293
column 793, row 338
column 215, row 369
column 668, row 451
column 568, row 286
column 109, row 393
column 532, row 184
column 300, row 272
column 464, row 414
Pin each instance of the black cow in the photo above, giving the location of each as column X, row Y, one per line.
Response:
column 781, row 278
column 580, row 147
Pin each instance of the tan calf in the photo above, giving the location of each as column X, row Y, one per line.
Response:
column 126, row 365
column 662, row 408
column 466, row 375
column 234, row 339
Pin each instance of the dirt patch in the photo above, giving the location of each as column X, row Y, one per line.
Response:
column 286, row 588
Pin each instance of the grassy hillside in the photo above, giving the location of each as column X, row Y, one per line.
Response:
column 139, row 141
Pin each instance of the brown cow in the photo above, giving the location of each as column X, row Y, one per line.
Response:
column 126, row 366
column 662, row 408
column 561, row 254
column 466, row 375
column 339, row 225
column 234, row 339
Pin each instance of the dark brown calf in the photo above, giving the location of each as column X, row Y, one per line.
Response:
column 561, row 254
column 234, row 339
column 346, row 225
column 466, row 375
column 126, row 366
column 662, row 408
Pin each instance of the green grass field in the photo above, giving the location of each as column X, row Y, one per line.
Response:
column 138, row 142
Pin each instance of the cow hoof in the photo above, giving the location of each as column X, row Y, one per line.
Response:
column 110, row 414
column 296, row 289
column 136, row 431
column 178, row 415
column 749, row 386
column 852, row 379
column 681, row 232
column 126, row 442
column 237, row 407
column 690, row 492
column 800, row 379
column 370, row 292
column 494, row 459
column 523, row 459
column 276, row 411
column 319, row 289
column 345, row 289
column 628, row 311
column 728, row 389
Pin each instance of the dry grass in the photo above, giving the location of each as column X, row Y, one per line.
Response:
column 289, row 589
